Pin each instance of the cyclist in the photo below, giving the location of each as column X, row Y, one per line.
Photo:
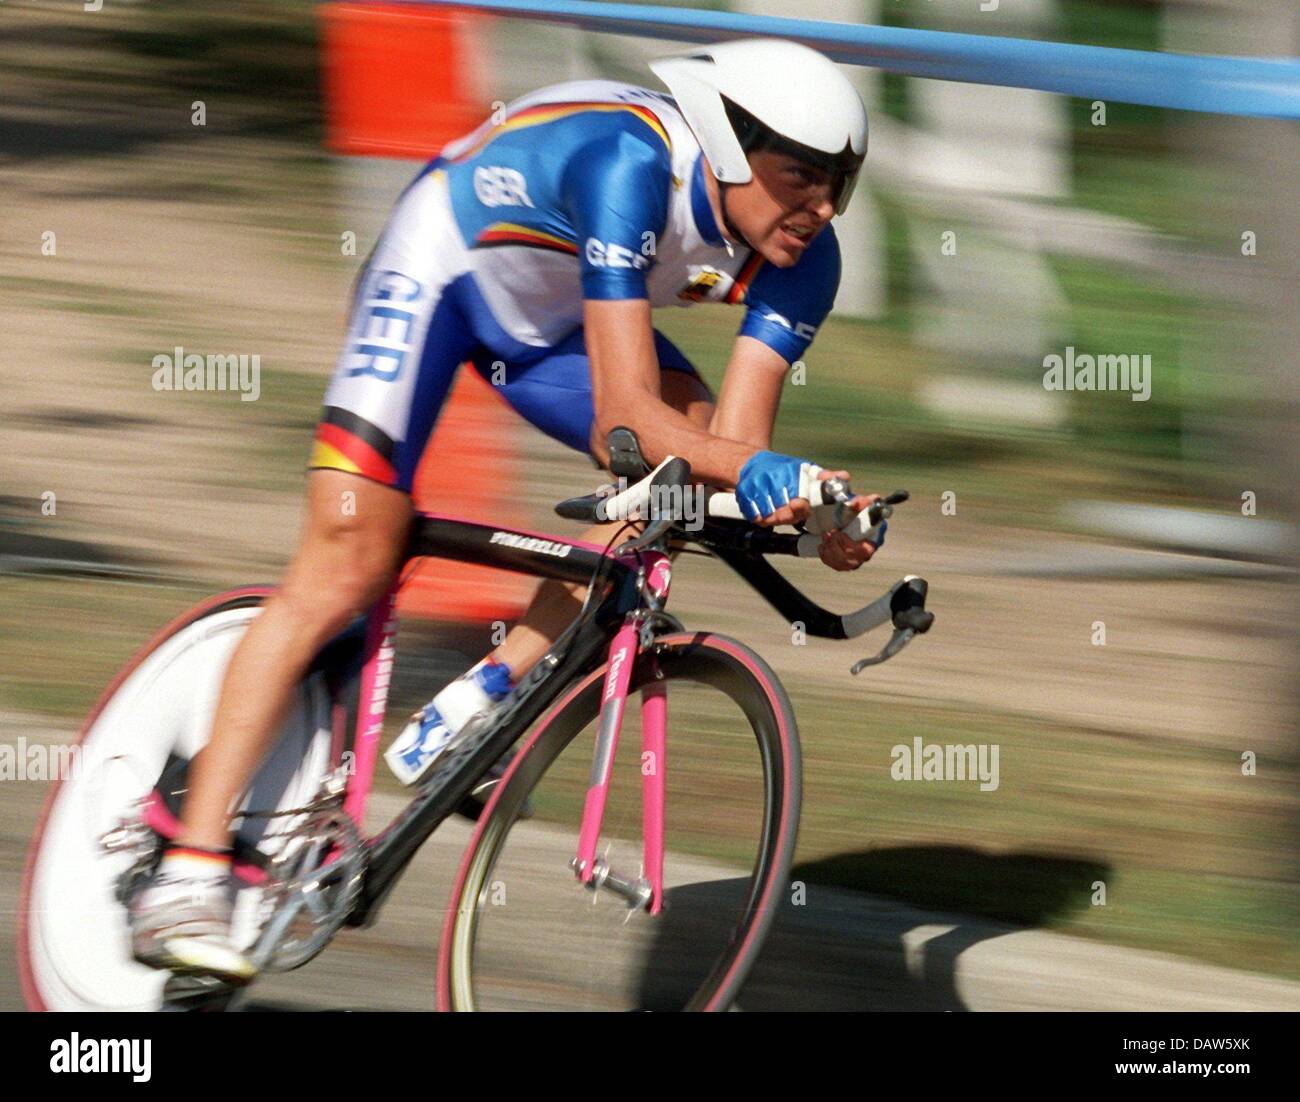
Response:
column 535, row 248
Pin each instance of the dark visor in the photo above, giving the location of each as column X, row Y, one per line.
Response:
column 752, row 134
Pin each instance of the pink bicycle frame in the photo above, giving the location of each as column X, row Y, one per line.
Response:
column 376, row 676
column 654, row 719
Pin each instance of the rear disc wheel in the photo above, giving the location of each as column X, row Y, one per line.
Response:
column 73, row 939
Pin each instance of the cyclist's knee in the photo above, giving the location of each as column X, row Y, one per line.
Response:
column 350, row 551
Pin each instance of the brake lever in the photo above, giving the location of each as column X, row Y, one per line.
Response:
column 673, row 474
column 897, row 642
column 909, row 617
column 654, row 532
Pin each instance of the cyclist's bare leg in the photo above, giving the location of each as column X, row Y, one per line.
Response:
column 557, row 603
column 354, row 536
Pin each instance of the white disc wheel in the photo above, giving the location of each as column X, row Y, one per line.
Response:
column 73, row 940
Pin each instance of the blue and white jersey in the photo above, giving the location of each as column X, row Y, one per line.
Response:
column 589, row 190
column 595, row 189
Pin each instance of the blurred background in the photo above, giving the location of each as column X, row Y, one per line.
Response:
column 1113, row 579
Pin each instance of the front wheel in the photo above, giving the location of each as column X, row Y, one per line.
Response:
column 523, row 933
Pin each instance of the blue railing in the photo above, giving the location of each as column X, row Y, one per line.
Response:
column 1221, row 85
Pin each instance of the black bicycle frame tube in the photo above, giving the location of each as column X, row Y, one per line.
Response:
column 793, row 605
column 744, row 548
column 506, row 548
column 523, row 553
column 741, row 548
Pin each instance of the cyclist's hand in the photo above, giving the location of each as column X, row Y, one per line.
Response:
column 774, row 489
column 837, row 550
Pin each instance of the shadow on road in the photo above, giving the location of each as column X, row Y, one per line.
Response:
column 1028, row 889
column 883, row 929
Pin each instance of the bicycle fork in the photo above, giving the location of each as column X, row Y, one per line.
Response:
column 645, row 890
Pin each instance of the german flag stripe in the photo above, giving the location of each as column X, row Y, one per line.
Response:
column 553, row 112
column 339, row 450
column 326, row 458
column 360, row 428
column 507, row 233
column 740, row 288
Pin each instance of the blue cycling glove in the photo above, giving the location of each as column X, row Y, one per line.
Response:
column 768, row 481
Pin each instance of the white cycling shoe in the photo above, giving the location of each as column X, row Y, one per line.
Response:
column 183, row 926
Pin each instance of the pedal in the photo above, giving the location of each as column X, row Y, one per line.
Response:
column 196, row 994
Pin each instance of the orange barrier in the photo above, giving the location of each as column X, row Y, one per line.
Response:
column 473, row 446
column 399, row 81
column 398, row 78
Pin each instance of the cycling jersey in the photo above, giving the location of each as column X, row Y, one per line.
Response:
column 586, row 190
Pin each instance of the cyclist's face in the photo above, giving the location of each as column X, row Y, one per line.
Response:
column 783, row 207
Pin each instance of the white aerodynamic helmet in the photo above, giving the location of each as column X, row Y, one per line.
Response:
column 767, row 93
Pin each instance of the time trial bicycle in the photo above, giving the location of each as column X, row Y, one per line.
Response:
column 592, row 879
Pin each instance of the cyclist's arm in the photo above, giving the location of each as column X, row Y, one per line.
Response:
column 784, row 308
column 750, row 395
column 616, row 192
column 625, row 390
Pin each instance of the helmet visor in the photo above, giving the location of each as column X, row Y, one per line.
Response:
column 842, row 167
